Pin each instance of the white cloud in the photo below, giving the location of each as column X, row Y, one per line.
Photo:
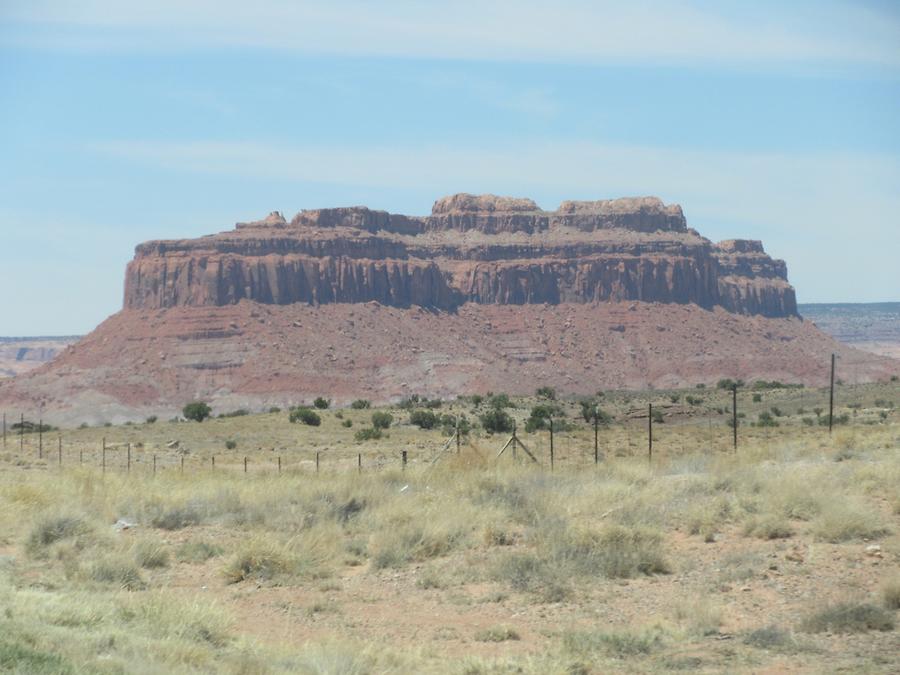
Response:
column 642, row 31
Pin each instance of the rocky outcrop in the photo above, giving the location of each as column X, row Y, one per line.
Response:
column 471, row 249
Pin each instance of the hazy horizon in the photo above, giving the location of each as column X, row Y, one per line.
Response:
column 156, row 120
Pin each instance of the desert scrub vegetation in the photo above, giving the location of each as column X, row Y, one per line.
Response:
column 569, row 558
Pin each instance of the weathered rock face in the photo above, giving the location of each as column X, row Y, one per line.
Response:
column 479, row 249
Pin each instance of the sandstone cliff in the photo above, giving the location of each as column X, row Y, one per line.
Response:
column 480, row 249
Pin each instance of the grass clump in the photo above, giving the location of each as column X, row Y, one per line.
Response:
column 176, row 517
column 526, row 572
column 197, row 551
column 150, row 554
column 119, row 572
column 769, row 637
column 305, row 416
column 16, row 657
column 496, row 634
column 771, row 526
column 849, row 617
column 846, row 520
column 620, row 644
column 261, row 562
column 615, row 551
column 890, row 593
column 52, row 529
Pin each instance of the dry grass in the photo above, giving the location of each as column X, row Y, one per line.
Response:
column 612, row 568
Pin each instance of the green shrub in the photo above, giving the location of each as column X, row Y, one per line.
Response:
column 728, row 383
column 230, row 444
column 449, row 424
column 368, row 434
column 496, row 420
column 151, row 420
column 196, row 410
column 361, row 404
column 306, row 416
column 590, row 410
column 476, row 399
column 657, row 416
column 757, row 398
column 347, row 424
column 274, row 410
column 321, row 403
column 240, row 412
column 382, row 420
column 424, row 419
column 499, row 401
column 765, row 419
column 546, row 392
column 540, row 417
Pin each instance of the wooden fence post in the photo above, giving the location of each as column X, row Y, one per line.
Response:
column 831, row 398
column 245, row 465
column 128, row 465
column 59, row 450
column 551, row 444
column 734, row 418
column 317, row 461
column 403, row 456
column 649, row 432
column 279, row 464
column 154, row 465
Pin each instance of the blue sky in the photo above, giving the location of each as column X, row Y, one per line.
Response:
column 123, row 122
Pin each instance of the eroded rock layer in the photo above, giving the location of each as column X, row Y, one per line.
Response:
column 471, row 249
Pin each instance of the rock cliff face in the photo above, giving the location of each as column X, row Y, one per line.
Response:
column 479, row 249
column 485, row 294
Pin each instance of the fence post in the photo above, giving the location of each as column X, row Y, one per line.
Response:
column 734, row 418
column 245, row 465
column 59, row 450
column 81, row 456
column 551, row 444
column 403, row 456
column 317, row 461
column 279, row 464
column 649, row 432
column 457, row 433
column 41, row 437
column 359, row 462
column 831, row 398
column 213, row 458
column 182, row 464
column 154, row 465
column 21, row 432
column 596, row 437
column 128, row 465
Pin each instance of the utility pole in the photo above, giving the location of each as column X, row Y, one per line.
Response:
column 551, row 444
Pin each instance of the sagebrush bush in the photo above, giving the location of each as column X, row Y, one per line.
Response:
column 849, row 617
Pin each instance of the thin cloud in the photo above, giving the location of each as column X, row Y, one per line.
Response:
column 574, row 31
